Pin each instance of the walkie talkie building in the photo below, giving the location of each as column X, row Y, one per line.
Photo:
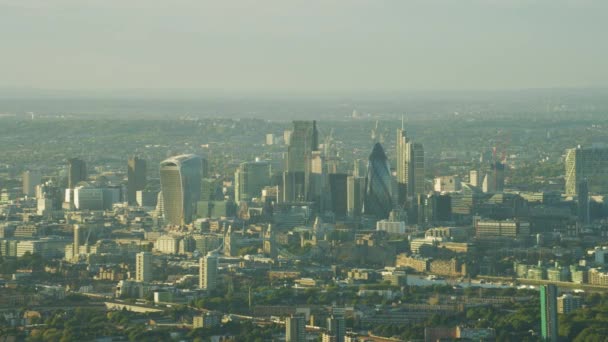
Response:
column 180, row 181
column 378, row 193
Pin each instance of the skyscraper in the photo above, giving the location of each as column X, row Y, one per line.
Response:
column 303, row 141
column 295, row 329
column 208, row 272
column 587, row 163
column 415, row 161
column 338, row 193
column 378, row 193
column 31, row 179
column 402, row 166
column 336, row 326
column 136, row 178
column 355, row 192
column 77, row 172
column 410, row 168
column 249, row 180
column 180, row 180
column 143, row 267
column 548, row 313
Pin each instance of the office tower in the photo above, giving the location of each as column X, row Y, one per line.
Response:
column 269, row 139
column 143, row 267
column 415, row 162
column 295, row 328
column 355, row 192
column 304, row 139
column 249, row 180
column 548, row 313
column 287, row 136
column 583, row 202
column 587, row 163
column 180, row 180
column 378, row 192
column 296, row 179
column 136, row 178
column 359, row 167
column 77, row 172
column 474, row 178
column 338, row 192
column 402, row 165
column 87, row 197
column 336, row 326
column 31, row 179
column 294, row 187
column 208, row 272
column 498, row 176
column 410, row 168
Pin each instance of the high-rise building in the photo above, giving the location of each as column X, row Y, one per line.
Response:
column 31, row 179
column 415, row 161
column 336, row 326
column 355, row 192
column 548, row 313
column 474, row 178
column 180, row 179
column 136, row 178
column 338, row 192
column 208, row 272
column 494, row 180
column 269, row 139
column 587, row 163
column 295, row 328
column 249, row 180
column 378, row 193
column 410, row 168
column 303, row 141
column 359, row 167
column 143, row 267
column 77, row 172
column 402, row 166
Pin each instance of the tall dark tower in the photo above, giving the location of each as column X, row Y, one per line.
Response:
column 378, row 200
column 136, row 180
column 77, row 172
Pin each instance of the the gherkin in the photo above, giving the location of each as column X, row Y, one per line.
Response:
column 378, row 193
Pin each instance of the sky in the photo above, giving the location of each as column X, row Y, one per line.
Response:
column 297, row 46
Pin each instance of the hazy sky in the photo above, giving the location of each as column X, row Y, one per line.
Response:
column 303, row 46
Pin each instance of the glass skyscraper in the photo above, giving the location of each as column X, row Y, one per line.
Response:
column 378, row 193
column 180, row 181
column 136, row 178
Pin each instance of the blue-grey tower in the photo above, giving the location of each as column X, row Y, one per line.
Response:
column 378, row 200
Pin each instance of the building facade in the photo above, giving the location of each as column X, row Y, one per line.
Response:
column 180, row 179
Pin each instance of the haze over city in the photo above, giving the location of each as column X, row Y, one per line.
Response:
column 302, row 47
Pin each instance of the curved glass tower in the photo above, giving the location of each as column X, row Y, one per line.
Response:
column 378, row 193
column 180, row 182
